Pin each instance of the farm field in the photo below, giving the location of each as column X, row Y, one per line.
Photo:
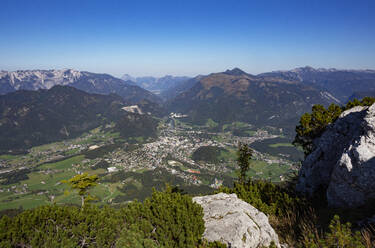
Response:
column 197, row 159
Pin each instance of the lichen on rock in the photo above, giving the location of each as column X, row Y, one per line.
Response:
column 235, row 222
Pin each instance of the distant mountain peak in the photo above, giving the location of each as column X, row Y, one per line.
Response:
column 340, row 83
column 87, row 81
column 235, row 72
column 307, row 69
column 157, row 85
column 304, row 69
column 127, row 77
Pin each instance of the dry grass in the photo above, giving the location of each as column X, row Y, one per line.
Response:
column 297, row 228
column 368, row 235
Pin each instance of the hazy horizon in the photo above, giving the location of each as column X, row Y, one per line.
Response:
column 186, row 38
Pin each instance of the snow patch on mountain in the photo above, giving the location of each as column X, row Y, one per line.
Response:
column 39, row 79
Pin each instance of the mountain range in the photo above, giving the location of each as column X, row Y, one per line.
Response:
column 341, row 84
column 156, row 85
column 274, row 99
column 30, row 118
column 235, row 95
column 86, row 81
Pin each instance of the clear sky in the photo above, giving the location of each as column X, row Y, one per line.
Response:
column 187, row 37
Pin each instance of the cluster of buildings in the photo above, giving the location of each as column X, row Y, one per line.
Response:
column 172, row 150
column 16, row 189
column 172, row 144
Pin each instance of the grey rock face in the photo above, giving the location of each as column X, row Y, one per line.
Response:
column 343, row 162
column 235, row 222
column 86, row 81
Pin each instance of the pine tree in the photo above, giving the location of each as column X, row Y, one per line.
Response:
column 82, row 183
column 243, row 161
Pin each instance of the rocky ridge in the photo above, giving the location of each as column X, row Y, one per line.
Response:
column 343, row 162
column 38, row 79
column 340, row 84
column 235, row 95
column 86, row 81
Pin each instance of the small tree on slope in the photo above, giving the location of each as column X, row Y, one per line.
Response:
column 243, row 161
column 82, row 183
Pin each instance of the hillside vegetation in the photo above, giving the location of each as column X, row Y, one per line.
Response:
column 167, row 219
column 171, row 219
column 234, row 95
column 312, row 125
column 31, row 118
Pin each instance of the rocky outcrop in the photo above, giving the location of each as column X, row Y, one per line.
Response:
column 235, row 222
column 343, row 163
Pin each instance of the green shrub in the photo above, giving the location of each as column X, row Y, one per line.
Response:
column 165, row 219
column 295, row 219
column 244, row 155
column 339, row 236
column 55, row 226
column 312, row 125
column 135, row 237
column 171, row 219
column 265, row 196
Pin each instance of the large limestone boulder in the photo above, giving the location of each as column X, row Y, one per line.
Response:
column 235, row 222
column 343, row 163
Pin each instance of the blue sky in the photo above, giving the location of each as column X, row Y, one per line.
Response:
column 186, row 37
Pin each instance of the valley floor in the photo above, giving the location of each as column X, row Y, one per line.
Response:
column 128, row 169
